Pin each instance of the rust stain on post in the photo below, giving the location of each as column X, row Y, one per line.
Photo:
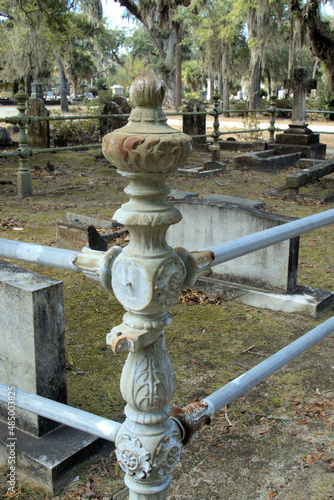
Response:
column 192, row 418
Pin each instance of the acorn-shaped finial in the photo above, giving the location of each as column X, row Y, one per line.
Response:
column 147, row 91
column 147, row 144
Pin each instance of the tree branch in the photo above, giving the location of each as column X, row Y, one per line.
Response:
column 132, row 8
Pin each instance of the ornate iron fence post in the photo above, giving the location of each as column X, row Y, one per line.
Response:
column 272, row 110
column 215, row 148
column 147, row 278
column 24, row 187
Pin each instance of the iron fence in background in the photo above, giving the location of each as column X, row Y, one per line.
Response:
column 24, row 152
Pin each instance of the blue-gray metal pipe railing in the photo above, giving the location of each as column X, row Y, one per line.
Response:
column 256, row 241
column 63, row 259
column 234, row 389
column 108, row 429
column 64, row 414
column 38, row 254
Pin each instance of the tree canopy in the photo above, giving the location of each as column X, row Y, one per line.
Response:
column 237, row 44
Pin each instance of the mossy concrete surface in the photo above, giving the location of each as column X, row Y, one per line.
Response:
column 274, row 442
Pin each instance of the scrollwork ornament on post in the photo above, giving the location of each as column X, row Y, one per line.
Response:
column 147, row 278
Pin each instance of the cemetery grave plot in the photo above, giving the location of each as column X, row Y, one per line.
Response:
column 273, row 441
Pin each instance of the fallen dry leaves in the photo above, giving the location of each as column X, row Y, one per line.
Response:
column 192, row 297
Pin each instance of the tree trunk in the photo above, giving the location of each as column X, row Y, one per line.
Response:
column 212, row 87
column 226, row 95
column 27, row 83
column 315, row 67
column 321, row 38
column 75, row 83
column 168, row 68
column 269, row 82
column 178, row 63
column 62, row 85
column 255, row 87
column 291, row 50
column 220, row 82
column 226, row 83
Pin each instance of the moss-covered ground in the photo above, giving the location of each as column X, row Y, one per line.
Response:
column 275, row 441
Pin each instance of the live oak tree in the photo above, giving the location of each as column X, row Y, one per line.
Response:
column 160, row 19
column 219, row 34
column 35, row 34
column 319, row 31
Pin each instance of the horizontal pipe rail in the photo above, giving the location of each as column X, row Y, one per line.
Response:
column 64, row 414
column 81, row 147
column 234, row 389
column 66, row 148
column 33, row 119
column 75, row 117
column 62, row 258
column 246, row 244
column 38, row 254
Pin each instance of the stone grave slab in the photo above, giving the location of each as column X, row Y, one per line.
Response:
column 32, row 340
column 270, row 272
column 74, row 235
column 38, row 132
column 32, row 358
column 108, row 125
column 266, row 161
column 233, row 200
column 232, row 145
column 50, row 459
column 195, row 124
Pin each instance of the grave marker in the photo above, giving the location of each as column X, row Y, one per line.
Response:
column 298, row 137
column 108, row 125
column 32, row 358
column 38, row 131
column 195, row 124
column 300, row 85
column 32, row 340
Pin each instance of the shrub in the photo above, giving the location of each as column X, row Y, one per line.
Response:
column 77, row 131
column 326, row 103
column 238, row 106
column 284, row 104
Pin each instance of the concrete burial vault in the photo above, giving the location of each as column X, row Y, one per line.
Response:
column 265, row 278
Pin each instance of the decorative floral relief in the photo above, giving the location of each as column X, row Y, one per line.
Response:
column 133, row 457
column 168, row 281
column 154, row 380
column 167, row 454
column 147, row 153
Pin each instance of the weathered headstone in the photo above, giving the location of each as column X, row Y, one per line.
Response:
column 195, row 124
column 117, row 90
column 36, row 90
column 301, row 85
column 39, row 131
column 32, row 359
column 208, row 222
column 5, row 139
column 107, row 125
column 298, row 137
column 122, row 102
column 32, row 340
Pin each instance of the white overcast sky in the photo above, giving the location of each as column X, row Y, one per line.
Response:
column 113, row 11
